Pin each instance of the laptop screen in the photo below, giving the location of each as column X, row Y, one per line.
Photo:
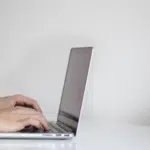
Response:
column 74, row 87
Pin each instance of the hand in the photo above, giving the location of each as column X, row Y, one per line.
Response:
column 17, row 118
column 18, row 100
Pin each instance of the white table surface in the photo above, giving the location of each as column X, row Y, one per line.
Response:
column 92, row 135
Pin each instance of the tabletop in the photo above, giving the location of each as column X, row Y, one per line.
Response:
column 92, row 134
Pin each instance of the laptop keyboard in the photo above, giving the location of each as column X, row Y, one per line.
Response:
column 31, row 129
column 53, row 128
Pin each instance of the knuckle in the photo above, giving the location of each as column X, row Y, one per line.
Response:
column 19, row 96
column 35, row 122
column 12, row 101
column 38, row 123
column 34, row 102
column 17, row 108
column 38, row 114
column 30, row 120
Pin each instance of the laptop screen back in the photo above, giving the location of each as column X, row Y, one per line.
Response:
column 74, row 87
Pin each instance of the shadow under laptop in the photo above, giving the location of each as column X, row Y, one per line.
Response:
column 37, row 145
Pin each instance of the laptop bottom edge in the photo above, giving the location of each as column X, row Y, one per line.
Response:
column 54, row 136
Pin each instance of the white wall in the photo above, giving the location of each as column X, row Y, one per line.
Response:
column 122, row 67
column 35, row 38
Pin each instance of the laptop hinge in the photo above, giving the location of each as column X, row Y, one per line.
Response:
column 64, row 127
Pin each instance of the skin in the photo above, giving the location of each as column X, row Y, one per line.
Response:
column 18, row 112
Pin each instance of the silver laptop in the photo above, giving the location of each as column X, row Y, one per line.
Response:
column 71, row 100
column 37, row 145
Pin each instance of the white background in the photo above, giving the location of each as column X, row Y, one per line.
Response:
column 35, row 39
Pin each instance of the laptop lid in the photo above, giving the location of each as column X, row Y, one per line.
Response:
column 74, row 87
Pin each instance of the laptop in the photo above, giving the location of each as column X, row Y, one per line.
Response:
column 37, row 145
column 71, row 100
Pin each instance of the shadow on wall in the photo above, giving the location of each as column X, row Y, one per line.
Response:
column 142, row 118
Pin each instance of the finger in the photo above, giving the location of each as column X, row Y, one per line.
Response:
column 27, row 112
column 24, row 111
column 29, row 122
column 42, row 120
column 22, row 100
column 32, row 103
column 21, row 113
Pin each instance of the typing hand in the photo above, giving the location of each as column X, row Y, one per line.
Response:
column 18, row 100
column 17, row 118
